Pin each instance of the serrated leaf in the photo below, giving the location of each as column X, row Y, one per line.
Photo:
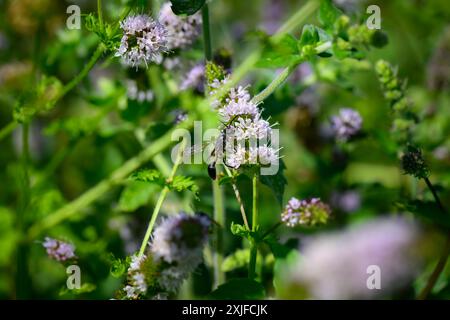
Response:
column 119, row 267
column 238, row 289
column 240, row 230
column 276, row 182
column 182, row 183
column 148, row 175
column 282, row 54
column 188, row 7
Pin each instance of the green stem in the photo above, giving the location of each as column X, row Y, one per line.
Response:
column 22, row 276
column 161, row 199
column 281, row 78
column 297, row 18
column 219, row 217
column 254, row 244
column 206, row 33
column 100, row 14
column 75, row 207
column 278, row 81
column 445, row 253
column 8, row 129
column 238, row 198
column 83, row 73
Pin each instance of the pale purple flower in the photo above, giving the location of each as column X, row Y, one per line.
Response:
column 347, row 201
column 346, row 124
column 180, row 239
column 59, row 250
column 310, row 212
column 182, row 31
column 335, row 266
column 194, row 79
column 144, row 40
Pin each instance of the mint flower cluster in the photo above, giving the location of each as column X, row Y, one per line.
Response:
column 247, row 134
column 59, row 250
column 310, row 212
column 144, row 40
column 176, row 250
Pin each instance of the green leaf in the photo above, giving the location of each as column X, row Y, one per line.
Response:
column 148, row 175
column 276, row 182
column 310, row 36
column 328, row 13
column 225, row 180
column 237, row 260
column 238, row 289
column 119, row 267
column 135, row 195
column 240, row 230
column 188, row 7
column 182, row 183
column 279, row 55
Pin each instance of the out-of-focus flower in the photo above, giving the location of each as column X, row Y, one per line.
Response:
column 346, row 124
column 144, row 40
column 273, row 14
column 13, row 74
column 305, row 212
column 179, row 116
column 335, row 266
column 347, row 201
column 180, row 238
column 59, row 250
column 182, row 31
column 194, row 79
column 179, row 241
column 135, row 93
column 348, row 5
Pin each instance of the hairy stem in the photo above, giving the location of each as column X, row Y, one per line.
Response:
column 239, row 199
column 161, row 199
column 254, row 245
column 445, row 253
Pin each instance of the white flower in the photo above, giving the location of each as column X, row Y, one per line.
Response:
column 182, row 31
column 59, row 250
column 144, row 40
column 248, row 128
